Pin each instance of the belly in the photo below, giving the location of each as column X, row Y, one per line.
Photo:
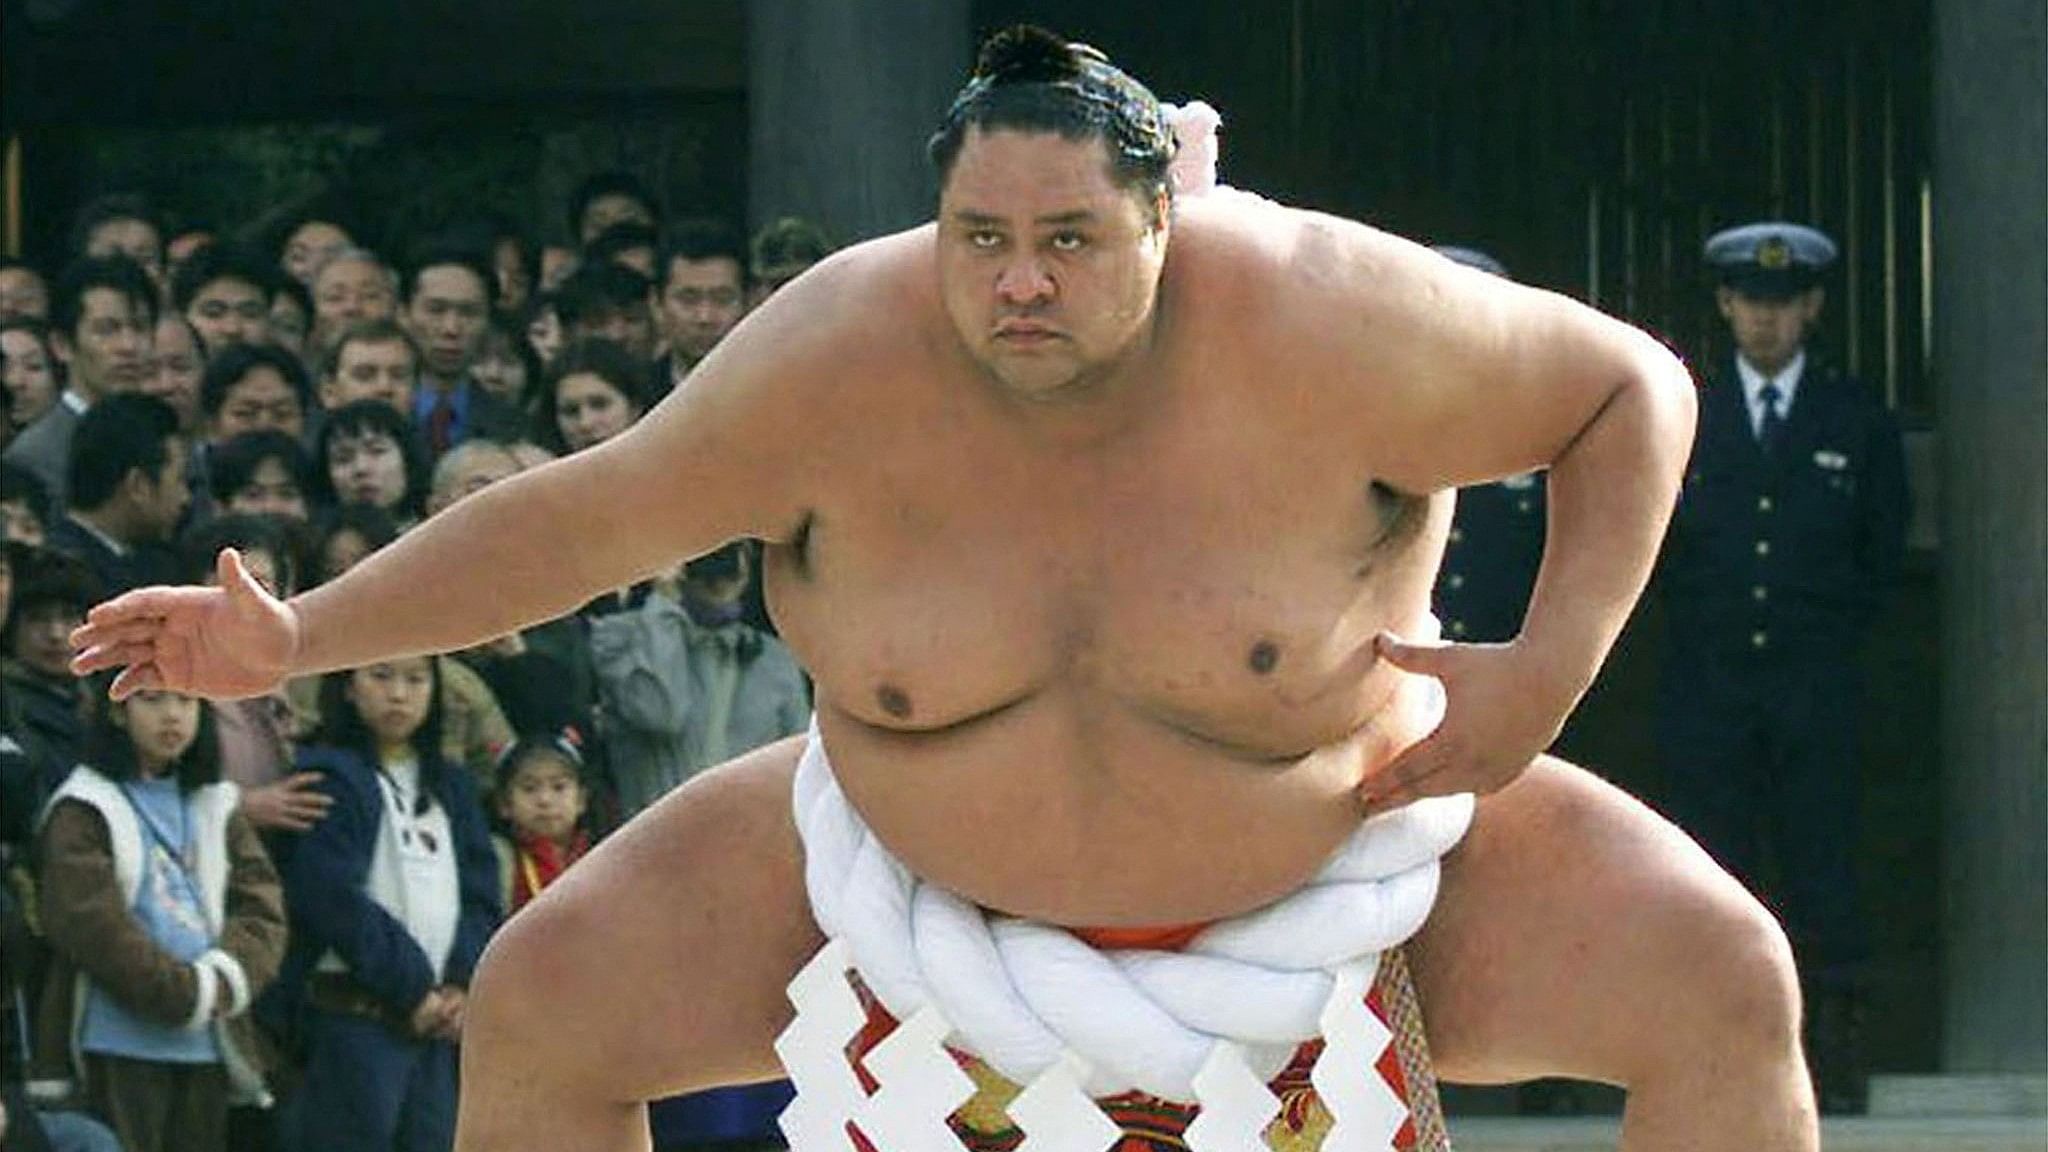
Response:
column 1070, row 809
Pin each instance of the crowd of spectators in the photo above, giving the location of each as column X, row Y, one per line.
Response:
column 281, row 964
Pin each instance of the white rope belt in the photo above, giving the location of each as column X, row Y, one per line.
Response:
column 1029, row 998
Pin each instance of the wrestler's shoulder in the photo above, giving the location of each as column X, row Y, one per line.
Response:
column 1236, row 238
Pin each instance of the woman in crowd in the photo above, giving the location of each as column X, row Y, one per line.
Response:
column 366, row 453
column 594, row 391
column 507, row 366
column 28, row 371
column 392, row 898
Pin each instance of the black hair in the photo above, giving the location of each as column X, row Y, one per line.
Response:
column 441, row 252
column 601, row 358
column 368, row 521
column 624, row 236
column 217, row 262
column 226, row 370
column 115, row 273
column 231, row 464
column 318, row 213
column 1028, row 79
column 371, row 416
column 786, row 241
column 41, row 333
column 43, row 577
column 527, row 744
column 341, row 726
column 118, row 435
column 512, row 330
column 109, row 208
column 598, row 289
column 300, row 294
column 695, row 240
column 599, row 185
column 19, row 483
column 111, row 751
column 199, row 547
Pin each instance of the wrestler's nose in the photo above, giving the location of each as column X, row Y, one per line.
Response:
column 1024, row 281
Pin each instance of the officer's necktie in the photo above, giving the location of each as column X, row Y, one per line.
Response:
column 1773, row 423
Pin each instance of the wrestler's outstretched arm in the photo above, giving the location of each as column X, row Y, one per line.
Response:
column 1483, row 379
column 709, row 464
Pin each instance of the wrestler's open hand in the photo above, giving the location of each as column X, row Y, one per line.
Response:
column 1503, row 707
column 226, row 642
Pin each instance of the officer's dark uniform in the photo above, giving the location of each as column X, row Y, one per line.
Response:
column 1490, row 562
column 1496, row 541
column 1778, row 559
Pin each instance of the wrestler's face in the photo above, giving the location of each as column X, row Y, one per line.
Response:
column 1048, row 268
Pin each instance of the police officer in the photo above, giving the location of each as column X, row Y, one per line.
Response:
column 1496, row 541
column 1787, row 538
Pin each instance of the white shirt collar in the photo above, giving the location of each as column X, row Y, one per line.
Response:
column 1753, row 382
column 74, row 400
column 113, row 545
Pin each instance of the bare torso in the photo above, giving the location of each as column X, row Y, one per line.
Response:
column 1116, row 676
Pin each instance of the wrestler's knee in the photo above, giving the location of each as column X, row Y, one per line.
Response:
column 1733, row 988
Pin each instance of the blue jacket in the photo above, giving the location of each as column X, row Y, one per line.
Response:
column 326, row 880
column 1789, row 556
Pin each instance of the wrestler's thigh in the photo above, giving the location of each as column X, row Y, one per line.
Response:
column 658, row 963
column 1577, row 933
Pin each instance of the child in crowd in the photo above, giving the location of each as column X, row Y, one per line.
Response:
column 164, row 918
column 345, row 536
column 393, row 895
column 541, row 797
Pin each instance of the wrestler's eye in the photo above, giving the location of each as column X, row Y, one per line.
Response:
column 984, row 238
column 1068, row 241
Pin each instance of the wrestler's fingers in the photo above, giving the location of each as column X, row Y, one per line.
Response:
column 143, row 604
column 87, row 636
column 1430, row 659
column 103, row 656
column 135, row 678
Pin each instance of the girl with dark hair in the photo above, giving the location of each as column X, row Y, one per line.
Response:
column 366, row 453
column 594, row 391
column 165, row 919
column 393, row 896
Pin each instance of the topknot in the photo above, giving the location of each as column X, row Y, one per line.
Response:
column 1026, row 54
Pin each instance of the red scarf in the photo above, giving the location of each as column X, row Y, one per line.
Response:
column 539, row 861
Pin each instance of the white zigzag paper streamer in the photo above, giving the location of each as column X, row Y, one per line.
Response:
column 1366, row 1112
column 1236, row 1104
column 813, row 1051
column 919, row 1086
column 1055, row 1115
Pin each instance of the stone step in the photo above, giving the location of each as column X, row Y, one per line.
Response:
column 1838, row 1134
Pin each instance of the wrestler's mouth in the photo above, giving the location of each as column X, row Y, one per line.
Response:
column 1027, row 334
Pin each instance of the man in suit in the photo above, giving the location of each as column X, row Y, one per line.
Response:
column 103, row 327
column 1788, row 537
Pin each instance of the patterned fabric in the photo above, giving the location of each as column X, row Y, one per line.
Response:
column 1153, row 1125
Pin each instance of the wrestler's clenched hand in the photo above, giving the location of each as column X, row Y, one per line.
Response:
column 226, row 642
column 1503, row 707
